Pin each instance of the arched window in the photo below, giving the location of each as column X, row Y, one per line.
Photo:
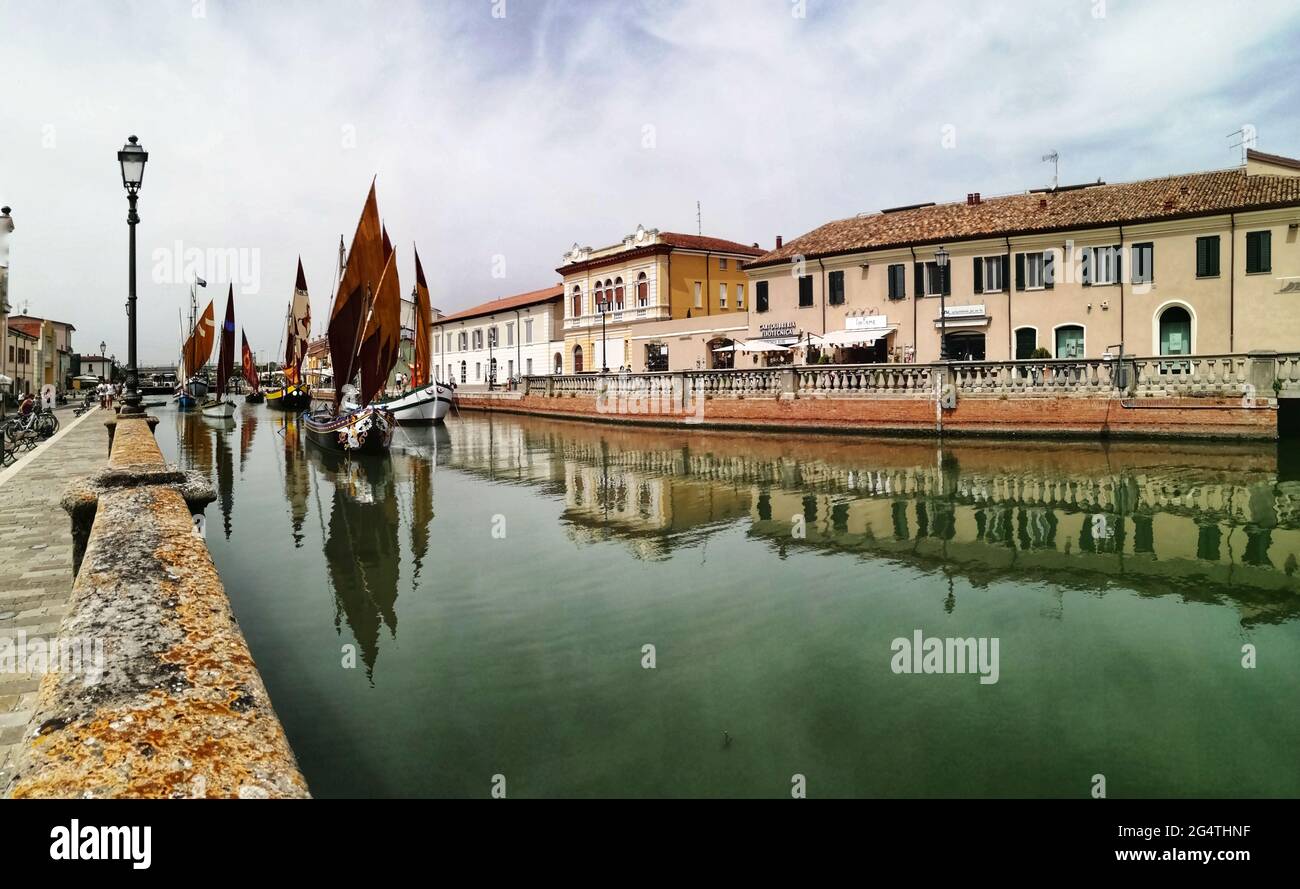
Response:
column 559, row 363
column 577, row 301
column 642, row 290
column 462, row 371
column 618, row 294
column 1069, row 341
column 600, row 297
column 1175, row 331
column 577, row 359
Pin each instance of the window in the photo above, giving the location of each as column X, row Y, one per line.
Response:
column 1144, row 263
column 930, row 281
column 577, row 301
column 510, row 334
column 740, row 296
column 600, row 297
column 464, row 341
column 478, row 370
column 528, row 363
column 1259, row 252
column 722, row 296
column 836, row 283
column 1069, row 341
column 1026, row 343
column 493, row 339
column 760, row 296
column 805, row 291
column 897, row 281
column 1207, row 257
column 722, row 263
column 642, row 290
column 618, row 294
column 1175, row 331
column 699, row 295
column 1101, row 265
column 989, row 276
column 528, row 330
column 462, row 371
column 478, row 339
column 1035, row 271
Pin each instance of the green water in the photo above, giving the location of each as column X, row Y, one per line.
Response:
column 498, row 579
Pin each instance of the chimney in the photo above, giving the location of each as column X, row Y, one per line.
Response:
column 1042, row 203
column 778, row 242
column 972, row 198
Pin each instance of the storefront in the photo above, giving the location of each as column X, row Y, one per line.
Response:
column 865, row 339
column 963, row 329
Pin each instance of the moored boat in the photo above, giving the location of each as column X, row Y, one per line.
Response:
column 426, row 401
column 363, row 338
column 255, row 395
column 294, row 394
column 289, row 397
column 220, row 405
column 421, row 406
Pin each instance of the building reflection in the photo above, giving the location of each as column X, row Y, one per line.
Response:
column 1211, row 523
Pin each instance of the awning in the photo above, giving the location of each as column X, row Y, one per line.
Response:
column 850, row 337
column 752, row 346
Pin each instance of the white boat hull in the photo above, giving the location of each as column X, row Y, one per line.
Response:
column 427, row 405
column 220, row 409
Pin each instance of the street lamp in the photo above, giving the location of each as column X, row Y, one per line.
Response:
column 941, row 260
column 132, row 158
column 102, row 348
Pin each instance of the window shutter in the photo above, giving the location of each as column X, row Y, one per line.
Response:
column 1265, row 251
column 979, row 274
column 1085, row 269
column 1202, row 257
column 1119, row 262
column 1213, row 248
column 946, row 274
column 1005, row 261
column 1049, row 269
column 920, row 279
column 1020, row 271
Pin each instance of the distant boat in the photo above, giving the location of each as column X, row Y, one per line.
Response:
column 364, row 333
column 255, row 396
column 220, row 405
column 294, row 394
column 195, row 354
column 426, row 401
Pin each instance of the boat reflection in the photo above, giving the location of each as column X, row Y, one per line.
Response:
column 1208, row 522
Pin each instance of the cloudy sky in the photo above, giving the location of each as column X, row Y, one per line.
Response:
column 504, row 131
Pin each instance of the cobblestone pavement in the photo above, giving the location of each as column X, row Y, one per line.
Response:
column 36, row 555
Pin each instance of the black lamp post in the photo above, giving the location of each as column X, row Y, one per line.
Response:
column 941, row 259
column 132, row 158
column 604, row 344
column 103, row 347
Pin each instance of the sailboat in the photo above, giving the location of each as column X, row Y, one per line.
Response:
column 255, row 396
column 294, row 394
column 195, row 354
column 363, row 336
column 426, row 401
column 219, row 405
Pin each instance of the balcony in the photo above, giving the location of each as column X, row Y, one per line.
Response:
column 625, row 316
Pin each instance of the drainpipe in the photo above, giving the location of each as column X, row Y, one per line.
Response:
column 1232, row 280
column 916, row 350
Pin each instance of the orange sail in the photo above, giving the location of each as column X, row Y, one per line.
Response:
column 198, row 348
column 383, row 333
column 360, row 281
column 420, row 375
column 298, row 330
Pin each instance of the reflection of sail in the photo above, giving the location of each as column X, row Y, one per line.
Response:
column 361, row 548
column 297, row 482
column 246, row 431
column 198, row 442
column 421, row 469
column 225, row 472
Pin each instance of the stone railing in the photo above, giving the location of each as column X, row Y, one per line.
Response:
column 1223, row 376
column 164, row 699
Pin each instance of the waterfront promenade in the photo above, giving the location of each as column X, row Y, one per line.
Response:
column 36, row 554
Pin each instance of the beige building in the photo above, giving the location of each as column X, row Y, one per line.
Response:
column 1203, row 263
column 654, row 301
column 495, row 341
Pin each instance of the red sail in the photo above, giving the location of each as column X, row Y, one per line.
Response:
column 250, row 366
column 383, row 333
column 360, row 279
column 298, row 329
column 420, row 375
column 226, row 357
column 198, row 348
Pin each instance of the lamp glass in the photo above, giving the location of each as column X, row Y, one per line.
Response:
column 132, row 158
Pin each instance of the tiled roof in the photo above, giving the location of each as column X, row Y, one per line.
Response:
column 34, row 318
column 1148, row 200
column 26, row 326
column 1277, row 159
column 506, row 303
column 701, row 242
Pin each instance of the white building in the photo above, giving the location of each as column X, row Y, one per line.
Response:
column 521, row 335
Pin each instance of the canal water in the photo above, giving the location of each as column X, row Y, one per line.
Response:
column 594, row 610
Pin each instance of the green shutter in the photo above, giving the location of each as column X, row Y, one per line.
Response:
column 1202, row 257
column 1020, row 271
column 1212, row 249
column 1049, row 269
column 920, row 279
column 979, row 274
column 1266, row 251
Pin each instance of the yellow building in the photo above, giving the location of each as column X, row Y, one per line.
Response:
column 621, row 301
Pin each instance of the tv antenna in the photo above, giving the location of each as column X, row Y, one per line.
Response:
column 1248, row 140
column 1055, row 158
column 699, row 223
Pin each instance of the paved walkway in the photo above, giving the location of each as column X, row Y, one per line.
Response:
column 36, row 553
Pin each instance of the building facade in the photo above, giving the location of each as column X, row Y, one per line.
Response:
column 1203, row 263
column 53, row 358
column 624, row 305
column 500, row 339
column 21, row 361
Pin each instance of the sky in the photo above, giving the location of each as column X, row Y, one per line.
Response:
column 502, row 132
